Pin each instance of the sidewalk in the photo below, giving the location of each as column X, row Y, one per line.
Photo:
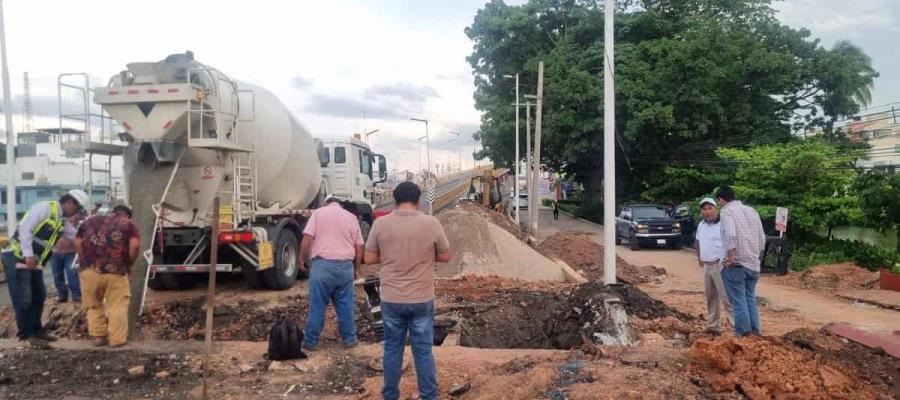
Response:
column 684, row 277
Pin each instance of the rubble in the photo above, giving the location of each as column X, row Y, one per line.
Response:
column 135, row 371
column 584, row 255
column 831, row 278
column 459, row 389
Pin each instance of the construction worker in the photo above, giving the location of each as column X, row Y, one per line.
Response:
column 107, row 247
column 24, row 257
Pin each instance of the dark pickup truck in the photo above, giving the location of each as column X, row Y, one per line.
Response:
column 647, row 225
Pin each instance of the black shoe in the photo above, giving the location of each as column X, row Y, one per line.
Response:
column 38, row 343
column 43, row 334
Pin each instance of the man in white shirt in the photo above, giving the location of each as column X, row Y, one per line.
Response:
column 711, row 254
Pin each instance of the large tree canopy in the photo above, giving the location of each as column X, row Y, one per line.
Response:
column 692, row 76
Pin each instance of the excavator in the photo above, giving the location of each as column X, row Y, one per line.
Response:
column 485, row 189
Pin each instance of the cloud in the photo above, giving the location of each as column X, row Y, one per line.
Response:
column 388, row 102
column 402, row 91
column 46, row 106
column 300, row 82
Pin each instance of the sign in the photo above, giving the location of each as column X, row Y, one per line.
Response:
column 266, row 255
column 226, row 217
column 207, row 172
column 781, row 219
column 430, row 195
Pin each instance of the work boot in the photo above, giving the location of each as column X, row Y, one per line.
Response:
column 38, row 343
column 100, row 341
column 45, row 335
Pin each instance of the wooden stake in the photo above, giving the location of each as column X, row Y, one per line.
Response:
column 210, row 294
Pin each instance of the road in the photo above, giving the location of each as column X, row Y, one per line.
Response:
column 783, row 304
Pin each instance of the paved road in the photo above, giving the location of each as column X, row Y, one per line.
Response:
column 681, row 267
column 439, row 190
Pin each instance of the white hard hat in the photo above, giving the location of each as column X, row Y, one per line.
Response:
column 80, row 196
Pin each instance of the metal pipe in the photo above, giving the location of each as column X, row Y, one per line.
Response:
column 11, row 219
column 609, row 150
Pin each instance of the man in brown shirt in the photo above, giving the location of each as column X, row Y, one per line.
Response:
column 407, row 243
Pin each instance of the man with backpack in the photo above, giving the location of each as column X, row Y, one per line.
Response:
column 407, row 243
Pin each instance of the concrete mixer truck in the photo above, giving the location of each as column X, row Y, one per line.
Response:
column 193, row 134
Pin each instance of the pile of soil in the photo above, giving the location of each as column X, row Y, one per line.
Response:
column 586, row 256
column 492, row 215
column 30, row 374
column 560, row 319
column 246, row 320
column 480, row 247
column 774, row 368
column 832, row 278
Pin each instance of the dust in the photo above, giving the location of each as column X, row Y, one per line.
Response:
column 775, row 368
column 58, row 373
column 586, row 256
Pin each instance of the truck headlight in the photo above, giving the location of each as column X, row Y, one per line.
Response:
column 676, row 227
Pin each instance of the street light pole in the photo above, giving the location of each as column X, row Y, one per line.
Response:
column 427, row 141
column 10, row 137
column 369, row 134
column 459, row 148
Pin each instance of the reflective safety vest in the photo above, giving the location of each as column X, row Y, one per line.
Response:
column 44, row 236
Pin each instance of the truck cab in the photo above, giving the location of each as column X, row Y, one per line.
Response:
column 348, row 168
column 647, row 225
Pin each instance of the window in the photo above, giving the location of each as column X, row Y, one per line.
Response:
column 880, row 133
column 864, row 134
column 360, row 153
column 649, row 212
column 340, row 155
column 27, row 176
column 18, row 196
column 897, row 148
column 43, row 193
column 365, row 163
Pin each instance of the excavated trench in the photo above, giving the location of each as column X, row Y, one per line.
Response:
column 560, row 320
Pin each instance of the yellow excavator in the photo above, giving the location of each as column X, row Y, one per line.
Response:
column 487, row 189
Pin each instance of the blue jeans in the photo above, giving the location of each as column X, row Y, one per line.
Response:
column 27, row 292
column 740, row 285
column 418, row 319
column 330, row 281
column 62, row 272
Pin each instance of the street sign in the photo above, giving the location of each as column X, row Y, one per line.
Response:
column 430, row 195
column 781, row 219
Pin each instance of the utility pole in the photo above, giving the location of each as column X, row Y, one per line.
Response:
column 609, row 150
column 10, row 136
column 518, row 160
column 527, row 155
column 26, row 105
column 536, row 178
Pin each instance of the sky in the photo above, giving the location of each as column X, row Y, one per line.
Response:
column 334, row 62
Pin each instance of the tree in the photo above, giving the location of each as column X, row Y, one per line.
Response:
column 811, row 178
column 879, row 198
column 692, row 76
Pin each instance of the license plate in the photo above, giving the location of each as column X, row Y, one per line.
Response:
column 660, row 241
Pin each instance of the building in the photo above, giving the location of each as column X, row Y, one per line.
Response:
column 882, row 132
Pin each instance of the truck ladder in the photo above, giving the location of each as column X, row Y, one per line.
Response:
column 244, row 190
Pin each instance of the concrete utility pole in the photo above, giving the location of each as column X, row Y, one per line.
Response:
column 536, row 178
column 10, row 136
column 609, row 150
column 518, row 160
column 528, row 164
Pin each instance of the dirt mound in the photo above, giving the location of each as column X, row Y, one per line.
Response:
column 496, row 217
column 832, row 278
column 29, row 374
column 480, row 247
column 774, row 368
column 586, row 256
column 508, row 317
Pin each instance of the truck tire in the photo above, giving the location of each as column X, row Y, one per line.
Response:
column 618, row 239
column 284, row 273
column 633, row 243
column 155, row 284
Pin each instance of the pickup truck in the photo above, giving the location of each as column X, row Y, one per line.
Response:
column 647, row 225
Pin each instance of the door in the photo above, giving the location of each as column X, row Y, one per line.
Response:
column 362, row 188
column 623, row 223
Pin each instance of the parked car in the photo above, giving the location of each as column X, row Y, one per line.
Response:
column 685, row 218
column 647, row 225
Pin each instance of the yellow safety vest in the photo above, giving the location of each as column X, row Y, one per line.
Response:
column 44, row 236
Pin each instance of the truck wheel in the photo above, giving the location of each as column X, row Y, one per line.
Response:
column 252, row 277
column 155, row 284
column 284, row 273
column 618, row 239
column 633, row 243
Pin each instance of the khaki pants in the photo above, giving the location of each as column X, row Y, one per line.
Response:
column 106, row 298
column 715, row 295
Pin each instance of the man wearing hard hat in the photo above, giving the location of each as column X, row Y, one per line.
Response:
column 24, row 257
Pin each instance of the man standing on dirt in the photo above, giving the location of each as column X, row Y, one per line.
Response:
column 107, row 245
column 333, row 240
column 744, row 241
column 407, row 243
column 711, row 255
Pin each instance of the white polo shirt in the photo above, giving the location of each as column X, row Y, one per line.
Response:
column 710, row 238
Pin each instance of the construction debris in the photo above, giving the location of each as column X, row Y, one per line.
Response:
column 586, row 257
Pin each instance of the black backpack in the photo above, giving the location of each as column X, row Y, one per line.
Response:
column 285, row 339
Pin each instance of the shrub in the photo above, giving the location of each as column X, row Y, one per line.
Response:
column 825, row 251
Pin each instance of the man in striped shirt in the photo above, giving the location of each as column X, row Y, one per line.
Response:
column 744, row 241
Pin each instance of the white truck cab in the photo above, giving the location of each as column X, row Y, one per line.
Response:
column 348, row 170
